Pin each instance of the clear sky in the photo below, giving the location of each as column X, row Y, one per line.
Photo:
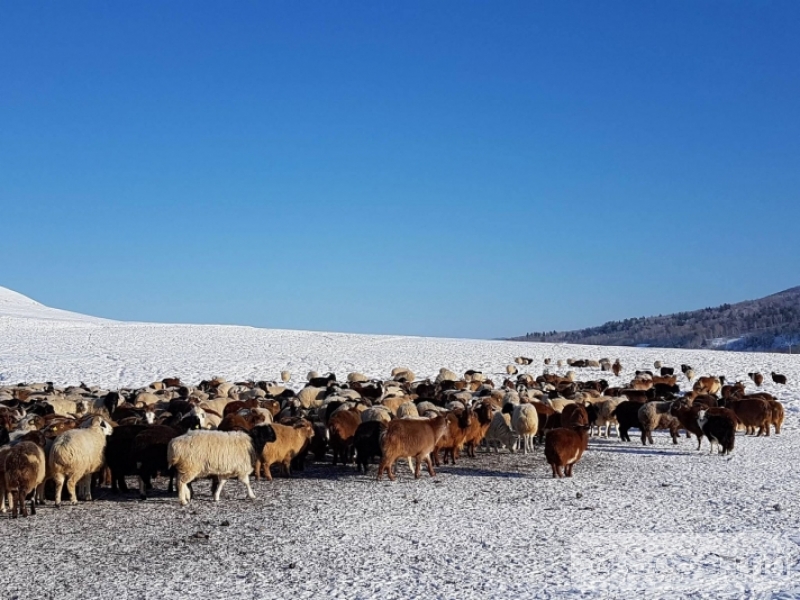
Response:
column 468, row 169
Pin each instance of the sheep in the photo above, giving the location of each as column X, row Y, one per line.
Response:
column 367, row 442
column 149, row 452
column 656, row 415
column 286, row 376
column 616, row 368
column 689, row 374
column 779, row 379
column 76, row 454
column 312, row 397
column 752, row 412
column 687, row 416
column 563, row 447
column 357, row 377
column 376, row 413
column 512, row 370
column 606, row 406
column 218, row 454
column 777, row 414
column 403, row 374
column 500, row 433
column 342, row 427
column 458, row 422
column 118, row 457
column 410, row 437
column 478, row 427
column 446, row 375
column 707, row 385
column 627, row 416
column 407, row 409
column 657, row 365
column 558, row 404
column 525, row 422
column 718, row 428
column 394, row 403
column 290, row 441
column 24, row 468
column 757, row 378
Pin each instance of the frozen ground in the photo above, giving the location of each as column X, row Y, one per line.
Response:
column 662, row 521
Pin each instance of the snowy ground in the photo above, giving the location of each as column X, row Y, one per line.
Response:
column 665, row 521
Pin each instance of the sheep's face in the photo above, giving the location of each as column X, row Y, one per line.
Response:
column 150, row 417
column 106, row 428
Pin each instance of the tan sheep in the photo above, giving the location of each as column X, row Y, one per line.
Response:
column 290, row 442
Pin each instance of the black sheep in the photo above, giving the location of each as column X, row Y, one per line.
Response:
column 367, row 442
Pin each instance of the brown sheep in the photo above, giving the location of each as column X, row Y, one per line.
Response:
column 707, row 385
column 752, row 413
column 777, row 414
column 342, row 428
column 410, row 437
column 757, row 378
column 563, row 447
column 687, row 416
column 290, row 442
column 616, row 368
column 25, row 466
column 458, row 423
column 478, row 427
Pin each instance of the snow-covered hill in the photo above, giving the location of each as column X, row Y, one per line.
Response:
column 15, row 305
column 662, row 521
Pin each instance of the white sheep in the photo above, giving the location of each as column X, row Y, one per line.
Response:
column 357, row 378
column 605, row 408
column 407, row 409
column 525, row 422
column 446, row 375
column 311, row 397
column 376, row 413
column 500, row 433
column 220, row 454
column 76, row 454
column 286, row 376
column 403, row 374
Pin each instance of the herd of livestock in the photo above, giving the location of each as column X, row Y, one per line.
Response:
column 84, row 436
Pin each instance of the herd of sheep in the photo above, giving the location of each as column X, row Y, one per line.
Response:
column 83, row 436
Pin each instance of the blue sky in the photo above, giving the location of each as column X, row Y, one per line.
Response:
column 468, row 169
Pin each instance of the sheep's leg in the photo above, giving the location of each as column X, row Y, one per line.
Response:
column 410, row 464
column 71, row 483
column 267, row 471
column 183, row 490
column 220, row 483
column 391, row 472
column 381, row 467
column 86, row 485
column 430, row 465
column 245, row 479
column 258, row 470
column 142, row 488
column 33, row 503
column 418, row 463
column 59, row 481
column 555, row 473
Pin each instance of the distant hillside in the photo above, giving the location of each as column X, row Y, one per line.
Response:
column 771, row 323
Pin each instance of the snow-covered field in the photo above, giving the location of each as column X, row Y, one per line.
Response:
column 663, row 521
